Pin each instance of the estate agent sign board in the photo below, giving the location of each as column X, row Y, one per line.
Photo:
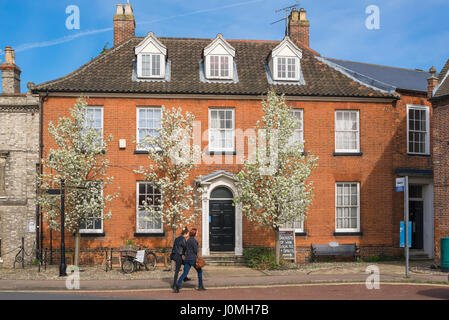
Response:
column 287, row 244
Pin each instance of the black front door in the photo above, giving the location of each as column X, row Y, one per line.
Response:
column 222, row 225
column 416, row 209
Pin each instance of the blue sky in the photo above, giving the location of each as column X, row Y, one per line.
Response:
column 413, row 34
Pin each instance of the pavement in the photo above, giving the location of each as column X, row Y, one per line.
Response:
column 230, row 277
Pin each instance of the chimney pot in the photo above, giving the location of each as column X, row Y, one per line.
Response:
column 128, row 9
column 120, row 9
column 10, row 73
column 9, row 56
column 432, row 71
column 302, row 15
column 432, row 82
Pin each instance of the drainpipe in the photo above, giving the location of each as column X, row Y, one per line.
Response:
column 39, row 229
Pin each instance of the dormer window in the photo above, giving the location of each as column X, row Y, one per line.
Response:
column 285, row 62
column 151, row 58
column 151, row 65
column 287, row 68
column 219, row 59
column 219, row 67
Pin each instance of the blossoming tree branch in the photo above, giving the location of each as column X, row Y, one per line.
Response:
column 274, row 187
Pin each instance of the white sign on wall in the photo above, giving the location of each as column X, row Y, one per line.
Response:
column 31, row 226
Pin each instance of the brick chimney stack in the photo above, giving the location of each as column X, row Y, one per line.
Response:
column 432, row 82
column 10, row 73
column 124, row 23
column 298, row 27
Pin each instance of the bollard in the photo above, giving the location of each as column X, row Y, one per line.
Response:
column 106, row 259
column 23, row 253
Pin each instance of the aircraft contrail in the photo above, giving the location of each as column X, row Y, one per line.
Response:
column 29, row 46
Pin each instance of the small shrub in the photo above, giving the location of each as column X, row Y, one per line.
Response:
column 35, row 261
column 164, row 250
column 372, row 258
column 129, row 242
column 261, row 258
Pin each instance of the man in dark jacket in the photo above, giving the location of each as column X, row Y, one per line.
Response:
column 179, row 250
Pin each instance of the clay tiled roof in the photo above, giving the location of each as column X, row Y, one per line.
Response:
column 443, row 80
column 112, row 72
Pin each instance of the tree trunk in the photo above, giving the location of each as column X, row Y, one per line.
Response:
column 278, row 247
column 77, row 248
column 172, row 263
column 174, row 235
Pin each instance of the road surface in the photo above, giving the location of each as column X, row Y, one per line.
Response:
column 293, row 292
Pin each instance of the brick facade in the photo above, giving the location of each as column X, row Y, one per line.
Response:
column 383, row 147
column 110, row 82
column 441, row 180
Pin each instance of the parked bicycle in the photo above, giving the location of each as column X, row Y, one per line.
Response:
column 133, row 260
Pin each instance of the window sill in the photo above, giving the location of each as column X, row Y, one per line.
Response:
column 145, row 152
column 426, row 155
column 348, row 154
column 149, row 77
column 296, row 79
column 92, row 235
column 141, row 234
column 220, row 78
column 140, row 152
column 344, row 234
column 221, row 153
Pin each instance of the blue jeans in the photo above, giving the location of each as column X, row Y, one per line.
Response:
column 188, row 264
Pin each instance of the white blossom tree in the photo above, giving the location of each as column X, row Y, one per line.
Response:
column 273, row 185
column 173, row 156
column 79, row 159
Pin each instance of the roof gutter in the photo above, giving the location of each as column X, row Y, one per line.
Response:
column 446, row 96
column 69, row 94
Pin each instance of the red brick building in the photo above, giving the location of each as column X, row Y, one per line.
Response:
column 355, row 123
column 439, row 92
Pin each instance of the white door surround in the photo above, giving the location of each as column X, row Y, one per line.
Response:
column 208, row 184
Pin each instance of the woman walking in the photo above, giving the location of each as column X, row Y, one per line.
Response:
column 179, row 250
column 190, row 261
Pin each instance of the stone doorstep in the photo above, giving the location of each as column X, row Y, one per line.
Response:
column 225, row 259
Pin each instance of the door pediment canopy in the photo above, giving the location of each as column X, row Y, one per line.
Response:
column 217, row 175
